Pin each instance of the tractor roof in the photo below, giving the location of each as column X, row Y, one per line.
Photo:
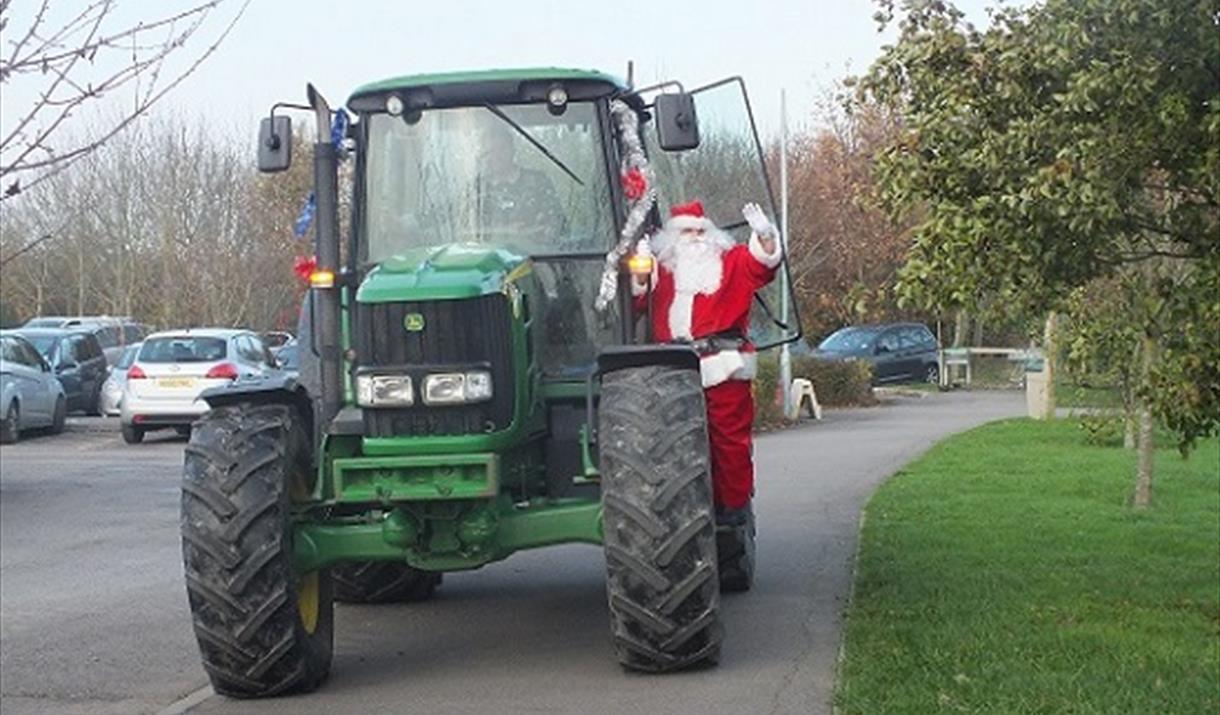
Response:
column 505, row 85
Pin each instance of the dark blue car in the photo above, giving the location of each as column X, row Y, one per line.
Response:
column 898, row 352
column 76, row 358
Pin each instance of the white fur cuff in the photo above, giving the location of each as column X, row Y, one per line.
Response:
column 770, row 260
column 727, row 365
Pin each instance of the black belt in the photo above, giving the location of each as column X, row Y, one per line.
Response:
column 712, row 344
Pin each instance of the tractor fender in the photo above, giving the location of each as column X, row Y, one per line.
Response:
column 268, row 390
column 619, row 357
column 264, row 390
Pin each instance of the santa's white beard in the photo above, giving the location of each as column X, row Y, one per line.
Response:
column 697, row 265
column 695, row 262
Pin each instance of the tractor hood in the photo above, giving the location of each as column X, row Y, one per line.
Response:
column 442, row 273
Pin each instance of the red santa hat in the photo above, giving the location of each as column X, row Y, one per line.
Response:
column 688, row 215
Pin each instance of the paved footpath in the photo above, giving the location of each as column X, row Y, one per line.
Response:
column 93, row 616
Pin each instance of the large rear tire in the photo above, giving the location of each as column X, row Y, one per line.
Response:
column 383, row 582
column 658, row 519
column 262, row 628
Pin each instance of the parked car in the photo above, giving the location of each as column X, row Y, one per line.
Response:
column 76, row 358
column 113, row 334
column 275, row 339
column 112, row 389
column 174, row 367
column 30, row 395
column 288, row 357
column 899, row 352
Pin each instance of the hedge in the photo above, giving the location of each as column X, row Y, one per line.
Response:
column 837, row 384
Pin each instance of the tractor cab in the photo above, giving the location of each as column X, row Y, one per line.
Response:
column 452, row 168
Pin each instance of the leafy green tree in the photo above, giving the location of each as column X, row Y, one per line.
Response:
column 1069, row 141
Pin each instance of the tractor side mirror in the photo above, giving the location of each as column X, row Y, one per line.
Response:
column 677, row 125
column 274, row 144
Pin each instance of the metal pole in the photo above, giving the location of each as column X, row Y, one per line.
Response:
column 785, row 357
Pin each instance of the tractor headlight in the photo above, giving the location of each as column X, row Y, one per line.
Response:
column 454, row 388
column 384, row 391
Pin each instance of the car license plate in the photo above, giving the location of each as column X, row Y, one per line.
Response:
column 175, row 382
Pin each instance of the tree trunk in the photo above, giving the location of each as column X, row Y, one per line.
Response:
column 1129, row 428
column 959, row 329
column 1048, row 365
column 1143, row 474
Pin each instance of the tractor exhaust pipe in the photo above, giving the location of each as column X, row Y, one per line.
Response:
column 326, row 248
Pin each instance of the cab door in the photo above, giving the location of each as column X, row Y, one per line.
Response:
column 725, row 172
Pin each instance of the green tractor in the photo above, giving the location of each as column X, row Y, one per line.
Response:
column 475, row 378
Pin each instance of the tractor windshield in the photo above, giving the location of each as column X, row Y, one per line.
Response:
column 514, row 176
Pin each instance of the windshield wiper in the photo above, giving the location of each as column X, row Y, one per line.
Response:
column 537, row 144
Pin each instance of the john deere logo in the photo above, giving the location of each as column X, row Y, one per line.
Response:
column 414, row 322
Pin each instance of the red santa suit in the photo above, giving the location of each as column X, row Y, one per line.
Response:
column 702, row 288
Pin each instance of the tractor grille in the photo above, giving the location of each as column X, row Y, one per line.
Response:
column 456, row 335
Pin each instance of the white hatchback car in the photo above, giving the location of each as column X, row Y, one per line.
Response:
column 174, row 367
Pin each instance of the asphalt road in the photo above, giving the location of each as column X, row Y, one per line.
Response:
column 93, row 614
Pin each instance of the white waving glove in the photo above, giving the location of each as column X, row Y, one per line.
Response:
column 639, row 283
column 759, row 223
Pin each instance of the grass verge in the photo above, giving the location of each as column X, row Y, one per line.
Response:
column 1004, row 572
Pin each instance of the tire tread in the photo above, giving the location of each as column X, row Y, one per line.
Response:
column 658, row 520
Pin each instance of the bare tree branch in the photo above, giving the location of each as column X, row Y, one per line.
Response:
column 66, row 56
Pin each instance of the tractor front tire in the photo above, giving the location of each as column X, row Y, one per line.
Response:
column 262, row 628
column 658, row 520
column 383, row 582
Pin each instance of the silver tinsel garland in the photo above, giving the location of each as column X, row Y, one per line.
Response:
column 628, row 124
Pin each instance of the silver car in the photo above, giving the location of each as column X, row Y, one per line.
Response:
column 112, row 390
column 174, row 367
column 30, row 394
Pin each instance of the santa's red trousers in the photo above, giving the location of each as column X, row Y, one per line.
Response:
column 730, row 417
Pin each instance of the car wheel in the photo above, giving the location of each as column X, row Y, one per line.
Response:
column 133, row 434
column 60, row 417
column 931, row 375
column 10, row 427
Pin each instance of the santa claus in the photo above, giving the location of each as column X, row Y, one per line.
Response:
column 701, row 292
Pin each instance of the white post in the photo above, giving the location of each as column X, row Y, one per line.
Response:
column 785, row 357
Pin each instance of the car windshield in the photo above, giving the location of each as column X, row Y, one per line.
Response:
column 514, row 176
column 44, row 343
column 183, row 349
column 128, row 357
column 849, row 340
column 289, row 358
column 108, row 336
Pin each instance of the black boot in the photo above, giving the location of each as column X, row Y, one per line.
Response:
column 735, row 533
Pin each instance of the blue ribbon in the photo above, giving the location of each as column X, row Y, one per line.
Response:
column 301, row 226
column 338, row 130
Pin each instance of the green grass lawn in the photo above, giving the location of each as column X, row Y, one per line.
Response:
column 1004, row 572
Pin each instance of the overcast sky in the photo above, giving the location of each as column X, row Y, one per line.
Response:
column 797, row 45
